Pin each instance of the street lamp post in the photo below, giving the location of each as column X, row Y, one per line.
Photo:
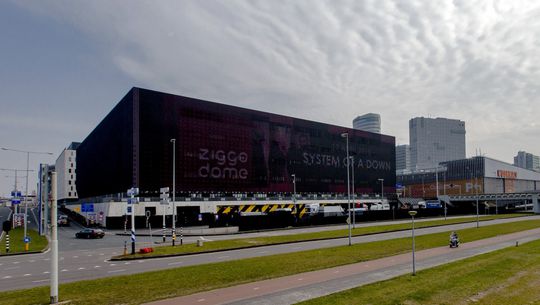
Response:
column 294, row 188
column 346, row 136
column 477, row 211
column 27, row 152
column 173, row 141
column 353, row 195
column 413, row 213
column 54, row 241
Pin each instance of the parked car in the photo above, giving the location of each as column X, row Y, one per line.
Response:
column 90, row 233
column 63, row 220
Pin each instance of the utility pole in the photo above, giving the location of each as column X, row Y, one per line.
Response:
column 173, row 141
column 346, row 136
column 132, row 192
column 54, row 241
column 353, row 195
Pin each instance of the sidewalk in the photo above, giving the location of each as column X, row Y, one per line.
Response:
column 308, row 285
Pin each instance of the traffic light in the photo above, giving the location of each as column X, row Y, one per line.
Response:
column 6, row 226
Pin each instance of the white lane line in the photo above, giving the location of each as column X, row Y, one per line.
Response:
column 297, row 248
column 175, row 263
column 32, row 261
column 114, row 253
column 140, row 261
column 15, row 262
column 102, row 254
column 97, row 266
column 46, row 272
column 300, row 279
column 127, row 263
column 27, row 274
column 262, row 252
column 201, row 300
column 46, row 259
column 64, row 270
column 6, row 277
column 11, row 268
column 113, row 271
column 256, row 288
column 112, row 265
column 81, row 268
column 75, row 256
column 1, row 264
column 39, row 281
column 222, row 257
column 89, row 255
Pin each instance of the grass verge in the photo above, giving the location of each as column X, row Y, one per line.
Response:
column 149, row 286
column 507, row 276
column 283, row 239
column 16, row 244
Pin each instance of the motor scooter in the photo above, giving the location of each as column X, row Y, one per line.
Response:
column 454, row 242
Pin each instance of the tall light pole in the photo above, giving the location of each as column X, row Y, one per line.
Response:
column 27, row 152
column 346, row 136
column 477, row 213
column 413, row 213
column 173, row 141
column 353, row 195
column 54, row 242
column 294, row 188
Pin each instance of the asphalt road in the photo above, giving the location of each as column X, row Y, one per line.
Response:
column 92, row 262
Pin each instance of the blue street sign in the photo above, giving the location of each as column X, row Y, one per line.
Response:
column 129, row 210
column 16, row 194
column 87, row 207
column 26, row 239
column 15, row 201
column 399, row 186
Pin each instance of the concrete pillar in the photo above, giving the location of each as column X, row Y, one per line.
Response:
column 536, row 208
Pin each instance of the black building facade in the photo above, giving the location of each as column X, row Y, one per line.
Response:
column 224, row 149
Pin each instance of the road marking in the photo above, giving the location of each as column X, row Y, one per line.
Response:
column 102, row 254
column 11, row 268
column 76, row 256
column 115, row 253
column 175, row 263
column 6, row 277
column 113, row 271
column 28, row 274
column 46, row 272
column 222, row 257
column 112, row 265
column 32, row 261
column 81, row 268
column 262, row 252
column 127, row 263
column 297, row 248
column 201, row 300
column 97, row 266
column 256, row 288
column 46, row 259
column 64, row 270
column 15, row 262
column 89, row 255
column 337, row 271
column 300, row 279
column 39, row 281
column 141, row 261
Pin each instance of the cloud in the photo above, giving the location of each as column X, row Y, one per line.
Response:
column 329, row 61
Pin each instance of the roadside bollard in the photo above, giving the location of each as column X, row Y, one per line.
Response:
column 125, row 247
column 181, row 236
column 7, row 243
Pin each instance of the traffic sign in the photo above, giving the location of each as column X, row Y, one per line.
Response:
column 16, row 194
column 87, row 207
column 15, row 201
column 27, row 239
column 164, row 195
column 129, row 210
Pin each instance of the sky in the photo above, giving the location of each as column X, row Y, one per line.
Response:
column 65, row 64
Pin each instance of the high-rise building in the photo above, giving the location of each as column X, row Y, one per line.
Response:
column 403, row 158
column 527, row 160
column 368, row 122
column 65, row 168
column 435, row 140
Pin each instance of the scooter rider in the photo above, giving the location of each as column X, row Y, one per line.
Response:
column 454, row 239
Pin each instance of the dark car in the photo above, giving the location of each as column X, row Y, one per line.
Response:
column 90, row 233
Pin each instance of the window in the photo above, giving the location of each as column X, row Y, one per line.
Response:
column 69, row 170
column 69, row 194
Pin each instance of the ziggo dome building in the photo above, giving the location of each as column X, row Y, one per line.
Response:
column 229, row 163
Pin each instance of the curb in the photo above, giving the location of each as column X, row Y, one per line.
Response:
column 273, row 244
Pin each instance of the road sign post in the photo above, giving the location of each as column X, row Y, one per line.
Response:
column 164, row 200
column 132, row 192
